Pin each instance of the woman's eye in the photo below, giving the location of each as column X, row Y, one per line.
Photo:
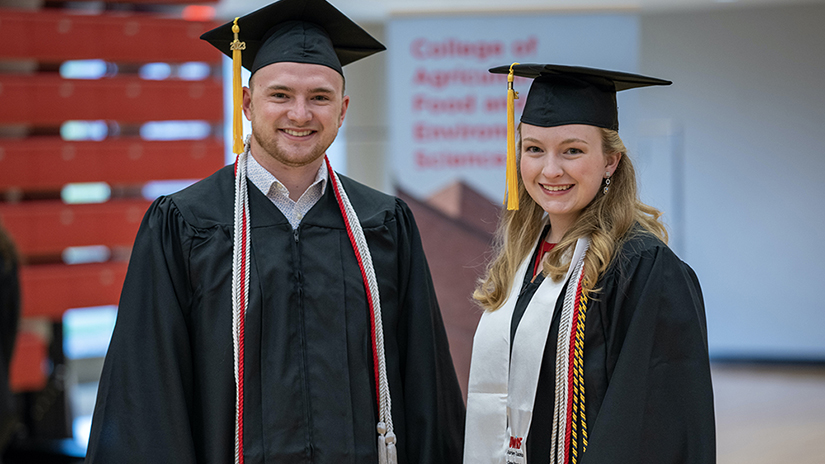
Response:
column 573, row 151
column 532, row 149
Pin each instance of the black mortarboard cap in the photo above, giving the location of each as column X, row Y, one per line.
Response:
column 296, row 31
column 563, row 95
column 299, row 31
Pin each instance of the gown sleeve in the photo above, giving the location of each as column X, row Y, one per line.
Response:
column 9, row 316
column 658, row 404
column 433, row 403
column 145, row 392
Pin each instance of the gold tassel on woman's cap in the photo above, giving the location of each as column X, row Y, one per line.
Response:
column 237, row 91
column 512, row 174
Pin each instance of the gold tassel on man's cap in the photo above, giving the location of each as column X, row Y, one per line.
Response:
column 237, row 91
column 512, row 174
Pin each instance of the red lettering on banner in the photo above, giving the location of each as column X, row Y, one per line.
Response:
column 424, row 132
column 431, row 105
column 498, row 104
column 525, row 47
column 423, row 49
column 515, row 442
column 438, row 78
column 451, row 160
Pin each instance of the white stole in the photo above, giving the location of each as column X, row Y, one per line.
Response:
column 502, row 390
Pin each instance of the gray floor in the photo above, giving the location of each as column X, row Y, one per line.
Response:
column 769, row 414
column 764, row 414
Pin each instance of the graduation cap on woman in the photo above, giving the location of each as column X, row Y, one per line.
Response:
column 563, row 95
column 297, row 31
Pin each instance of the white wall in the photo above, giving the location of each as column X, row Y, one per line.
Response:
column 366, row 121
column 746, row 112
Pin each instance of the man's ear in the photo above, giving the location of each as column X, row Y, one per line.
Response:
column 344, row 106
column 247, row 103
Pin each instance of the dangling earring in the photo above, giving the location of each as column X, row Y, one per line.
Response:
column 606, row 182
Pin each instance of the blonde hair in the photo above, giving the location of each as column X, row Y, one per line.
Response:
column 607, row 220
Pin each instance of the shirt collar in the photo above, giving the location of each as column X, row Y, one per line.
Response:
column 263, row 179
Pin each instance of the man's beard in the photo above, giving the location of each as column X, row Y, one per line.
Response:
column 271, row 147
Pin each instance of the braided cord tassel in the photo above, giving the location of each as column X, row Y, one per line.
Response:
column 562, row 428
column 571, row 434
column 579, row 418
column 570, row 299
column 240, row 295
column 580, row 369
column 387, row 452
column 240, row 292
column 560, row 417
column 237, row 92
column 511, row 173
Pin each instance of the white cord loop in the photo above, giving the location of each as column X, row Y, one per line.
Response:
column 240, row 287
column 387, row 453
column 386, row 437
column 560, row 418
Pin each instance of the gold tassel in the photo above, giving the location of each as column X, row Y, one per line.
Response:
column 512, row 174
column 237, row 91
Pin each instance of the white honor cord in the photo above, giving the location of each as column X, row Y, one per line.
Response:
column 504, row 372
column 387, row 452
column 560, row 418
column 240, row 286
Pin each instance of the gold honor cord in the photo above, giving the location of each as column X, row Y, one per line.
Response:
column 511, row 199
column 237, row 92
column 578, row 387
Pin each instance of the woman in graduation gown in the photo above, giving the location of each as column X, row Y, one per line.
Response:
column 593, row 344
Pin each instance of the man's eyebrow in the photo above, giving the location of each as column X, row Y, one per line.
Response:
column 322, row 90
column 286, row 88
column 274, row 87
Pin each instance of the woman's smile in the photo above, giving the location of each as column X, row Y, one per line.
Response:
column 562, row 168
column 557, row 188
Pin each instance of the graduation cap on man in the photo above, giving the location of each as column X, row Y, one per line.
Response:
column 561, row 95
column 311, row 32
column 297, row 31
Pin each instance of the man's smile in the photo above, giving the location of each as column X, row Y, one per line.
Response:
column 298, row 133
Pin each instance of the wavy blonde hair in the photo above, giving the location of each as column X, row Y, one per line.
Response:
column 607, row 220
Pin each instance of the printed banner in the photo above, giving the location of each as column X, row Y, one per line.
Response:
column 447, row 113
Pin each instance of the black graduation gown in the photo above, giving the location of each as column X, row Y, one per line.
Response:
column 9, row 316
column 167, row 391
column 648, row 395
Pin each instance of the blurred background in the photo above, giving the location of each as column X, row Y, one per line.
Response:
column 105, row 105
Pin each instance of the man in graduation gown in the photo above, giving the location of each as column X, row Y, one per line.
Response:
column 168, row 393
